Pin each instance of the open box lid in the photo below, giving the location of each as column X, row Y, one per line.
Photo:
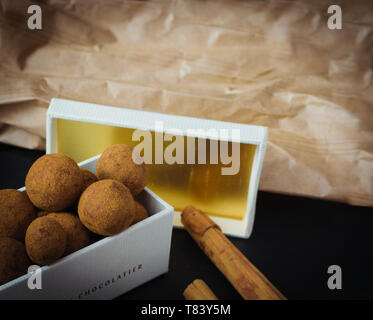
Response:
column 223, row 182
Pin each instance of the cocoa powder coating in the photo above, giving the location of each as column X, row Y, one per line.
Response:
column 116, row 163
column 54, row 182
column 106, row 207
column 77, row 235
column 88, row 178
column 13, row 259
column 16, row 214
column 45, row 241
column 140, row 213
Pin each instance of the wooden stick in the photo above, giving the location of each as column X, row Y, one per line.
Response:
column 199, row 290
column 241, row 273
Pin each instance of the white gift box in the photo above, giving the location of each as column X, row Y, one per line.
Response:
column 71, row 126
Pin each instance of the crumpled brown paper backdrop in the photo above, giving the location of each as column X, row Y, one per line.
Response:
column 271, row 63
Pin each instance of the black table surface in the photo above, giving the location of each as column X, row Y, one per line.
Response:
column 294, row 242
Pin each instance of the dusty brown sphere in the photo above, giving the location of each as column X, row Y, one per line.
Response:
column 106, row 207
column 116, row 163
column 140, row 213
column 77, row 234
column 13, row 259
column 16, row 214
column 54, row 182
column 88, row 178
column 45, row 241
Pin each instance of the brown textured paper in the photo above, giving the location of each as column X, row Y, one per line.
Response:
column 271, row 63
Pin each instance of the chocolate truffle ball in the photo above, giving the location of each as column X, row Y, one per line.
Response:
column 16, row 214
column 77, row 234
column 106, row 207
column 140, row 213
column 88, row 178
column 116, row 163
column 13, row 259
column 45, row 241
column 54, row 182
